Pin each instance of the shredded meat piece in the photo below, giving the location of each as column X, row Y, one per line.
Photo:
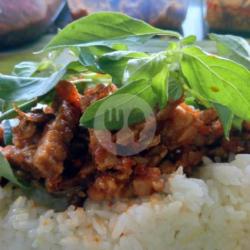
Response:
column 93, row 94
column 53, row 146
column 37, row 116
column 22, row 158
column 80, row 168
column 68, row 92
column 25, row 134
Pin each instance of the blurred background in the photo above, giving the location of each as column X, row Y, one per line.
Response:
column 28, row 24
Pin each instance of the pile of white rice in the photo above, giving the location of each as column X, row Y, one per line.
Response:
column 211, row 213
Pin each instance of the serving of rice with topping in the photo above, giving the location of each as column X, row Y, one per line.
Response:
column 121, row 149
column 209, row 213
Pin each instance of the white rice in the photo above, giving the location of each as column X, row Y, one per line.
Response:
column 211, row 212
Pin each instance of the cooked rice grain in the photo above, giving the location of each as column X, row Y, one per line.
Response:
column 211, row 213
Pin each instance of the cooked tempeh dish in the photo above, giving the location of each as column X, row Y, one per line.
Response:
column 50, row 147
column 110, row 143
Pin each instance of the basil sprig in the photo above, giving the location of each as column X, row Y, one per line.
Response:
column 101, row 43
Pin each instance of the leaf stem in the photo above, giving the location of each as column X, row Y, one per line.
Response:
column 11, row 113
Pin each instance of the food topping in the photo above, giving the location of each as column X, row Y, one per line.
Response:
column 115, row 122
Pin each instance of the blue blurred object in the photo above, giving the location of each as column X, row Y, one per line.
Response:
column 26, row 20
column 194, row 23
column 161, row 13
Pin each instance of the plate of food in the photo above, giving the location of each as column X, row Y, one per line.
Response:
column 122, row 146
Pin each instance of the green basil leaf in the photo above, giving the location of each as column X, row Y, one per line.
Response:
column 105, row 29
column 75, row 67
column 114, row 63
column 139, row 89
column 13, row 88
column 233, row 47
column 2, row 105
column 25, row 69
column 7, row 172
column 218, row 80
column 188, row 40
column 226, row 117
column 47, row 67
column 237, row 123
column 144, row 68
column 39, row 69
column 88, row 56
column 160, row 86
column 152, row 69
column 175, row 90
column 119, row 55
column 119, row 46
column 88, row 59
